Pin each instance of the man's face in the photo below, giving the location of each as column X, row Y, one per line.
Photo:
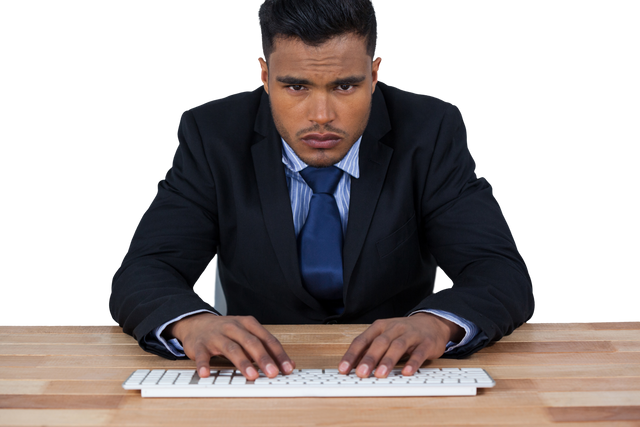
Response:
column 320, row 96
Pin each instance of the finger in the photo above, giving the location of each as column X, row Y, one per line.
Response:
column 236, row 354
column 379, row 348
column 398, row 348
column 203, row 347
column 253, row 346
column 202, row 356
column 417, row 358
column 271, row 344
column 428, row 349
column 358, row 347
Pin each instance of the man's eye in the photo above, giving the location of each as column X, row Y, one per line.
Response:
column 296, row 87
column 349, row 87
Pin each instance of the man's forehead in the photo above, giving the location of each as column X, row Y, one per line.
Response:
column 343, row 57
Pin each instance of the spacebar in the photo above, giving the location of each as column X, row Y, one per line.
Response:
column 305, row 391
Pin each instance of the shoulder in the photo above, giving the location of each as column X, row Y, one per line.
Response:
column 227, row 115
column 416, row 110
column 243, row 101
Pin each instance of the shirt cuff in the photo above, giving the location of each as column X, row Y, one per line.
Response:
column 470, row 329
column 173, row 345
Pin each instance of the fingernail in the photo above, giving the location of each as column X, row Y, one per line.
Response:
column 286, row 366
column 363, row 370
column 408, row 370
column 272, row 371
column 344, row 367
column 251, row 372
column 203, row 372
column 381, row 371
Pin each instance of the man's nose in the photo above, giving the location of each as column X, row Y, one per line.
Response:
column 321, row 109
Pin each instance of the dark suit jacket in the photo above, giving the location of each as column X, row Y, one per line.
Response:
column 416, row 205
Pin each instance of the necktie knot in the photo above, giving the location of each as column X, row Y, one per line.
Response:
column 322, row 180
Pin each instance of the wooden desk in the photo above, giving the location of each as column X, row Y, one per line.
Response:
column 573, row 374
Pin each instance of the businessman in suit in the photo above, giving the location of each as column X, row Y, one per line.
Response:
column 328, row 197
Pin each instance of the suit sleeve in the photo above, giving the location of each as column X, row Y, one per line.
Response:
column 467, row 234
column 175, row 240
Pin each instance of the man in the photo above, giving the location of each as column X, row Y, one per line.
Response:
column 329, row 197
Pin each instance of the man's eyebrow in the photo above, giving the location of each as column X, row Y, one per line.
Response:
column 290, row 80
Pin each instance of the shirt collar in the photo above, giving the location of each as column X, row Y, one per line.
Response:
column 348, row 164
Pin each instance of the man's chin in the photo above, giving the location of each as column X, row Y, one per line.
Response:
column 321, row 160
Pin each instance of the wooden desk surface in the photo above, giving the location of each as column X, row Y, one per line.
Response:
column 572, row 374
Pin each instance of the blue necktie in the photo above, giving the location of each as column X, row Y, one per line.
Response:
column 320, row 240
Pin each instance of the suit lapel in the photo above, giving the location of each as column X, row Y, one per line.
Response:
column 275, row 201
column 374, row 161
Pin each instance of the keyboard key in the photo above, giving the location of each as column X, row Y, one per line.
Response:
column 223, row 380
column 206, row 381
column 238, row 380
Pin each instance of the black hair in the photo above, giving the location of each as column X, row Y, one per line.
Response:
column 316, row 21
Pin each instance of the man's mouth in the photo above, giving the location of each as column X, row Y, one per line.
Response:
column 321, row 140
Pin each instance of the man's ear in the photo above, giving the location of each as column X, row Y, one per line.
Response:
column 264, row 74
column 376, row 70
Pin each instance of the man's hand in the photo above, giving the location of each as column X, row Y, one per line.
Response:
column 241, row 339
column 422, row 336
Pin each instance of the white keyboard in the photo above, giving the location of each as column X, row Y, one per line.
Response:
column 308, row 382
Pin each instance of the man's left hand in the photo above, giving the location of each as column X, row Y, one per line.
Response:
column 422, row 336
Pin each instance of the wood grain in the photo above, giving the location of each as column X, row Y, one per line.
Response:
column 583, row 375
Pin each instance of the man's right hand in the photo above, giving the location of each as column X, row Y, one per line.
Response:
column 241, row 339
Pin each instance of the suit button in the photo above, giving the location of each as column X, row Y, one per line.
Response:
column 332, row 322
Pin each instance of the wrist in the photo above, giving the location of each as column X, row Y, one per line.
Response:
column 456, row 332
column 179, row 329
column 453, row 331
column 168, row 333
